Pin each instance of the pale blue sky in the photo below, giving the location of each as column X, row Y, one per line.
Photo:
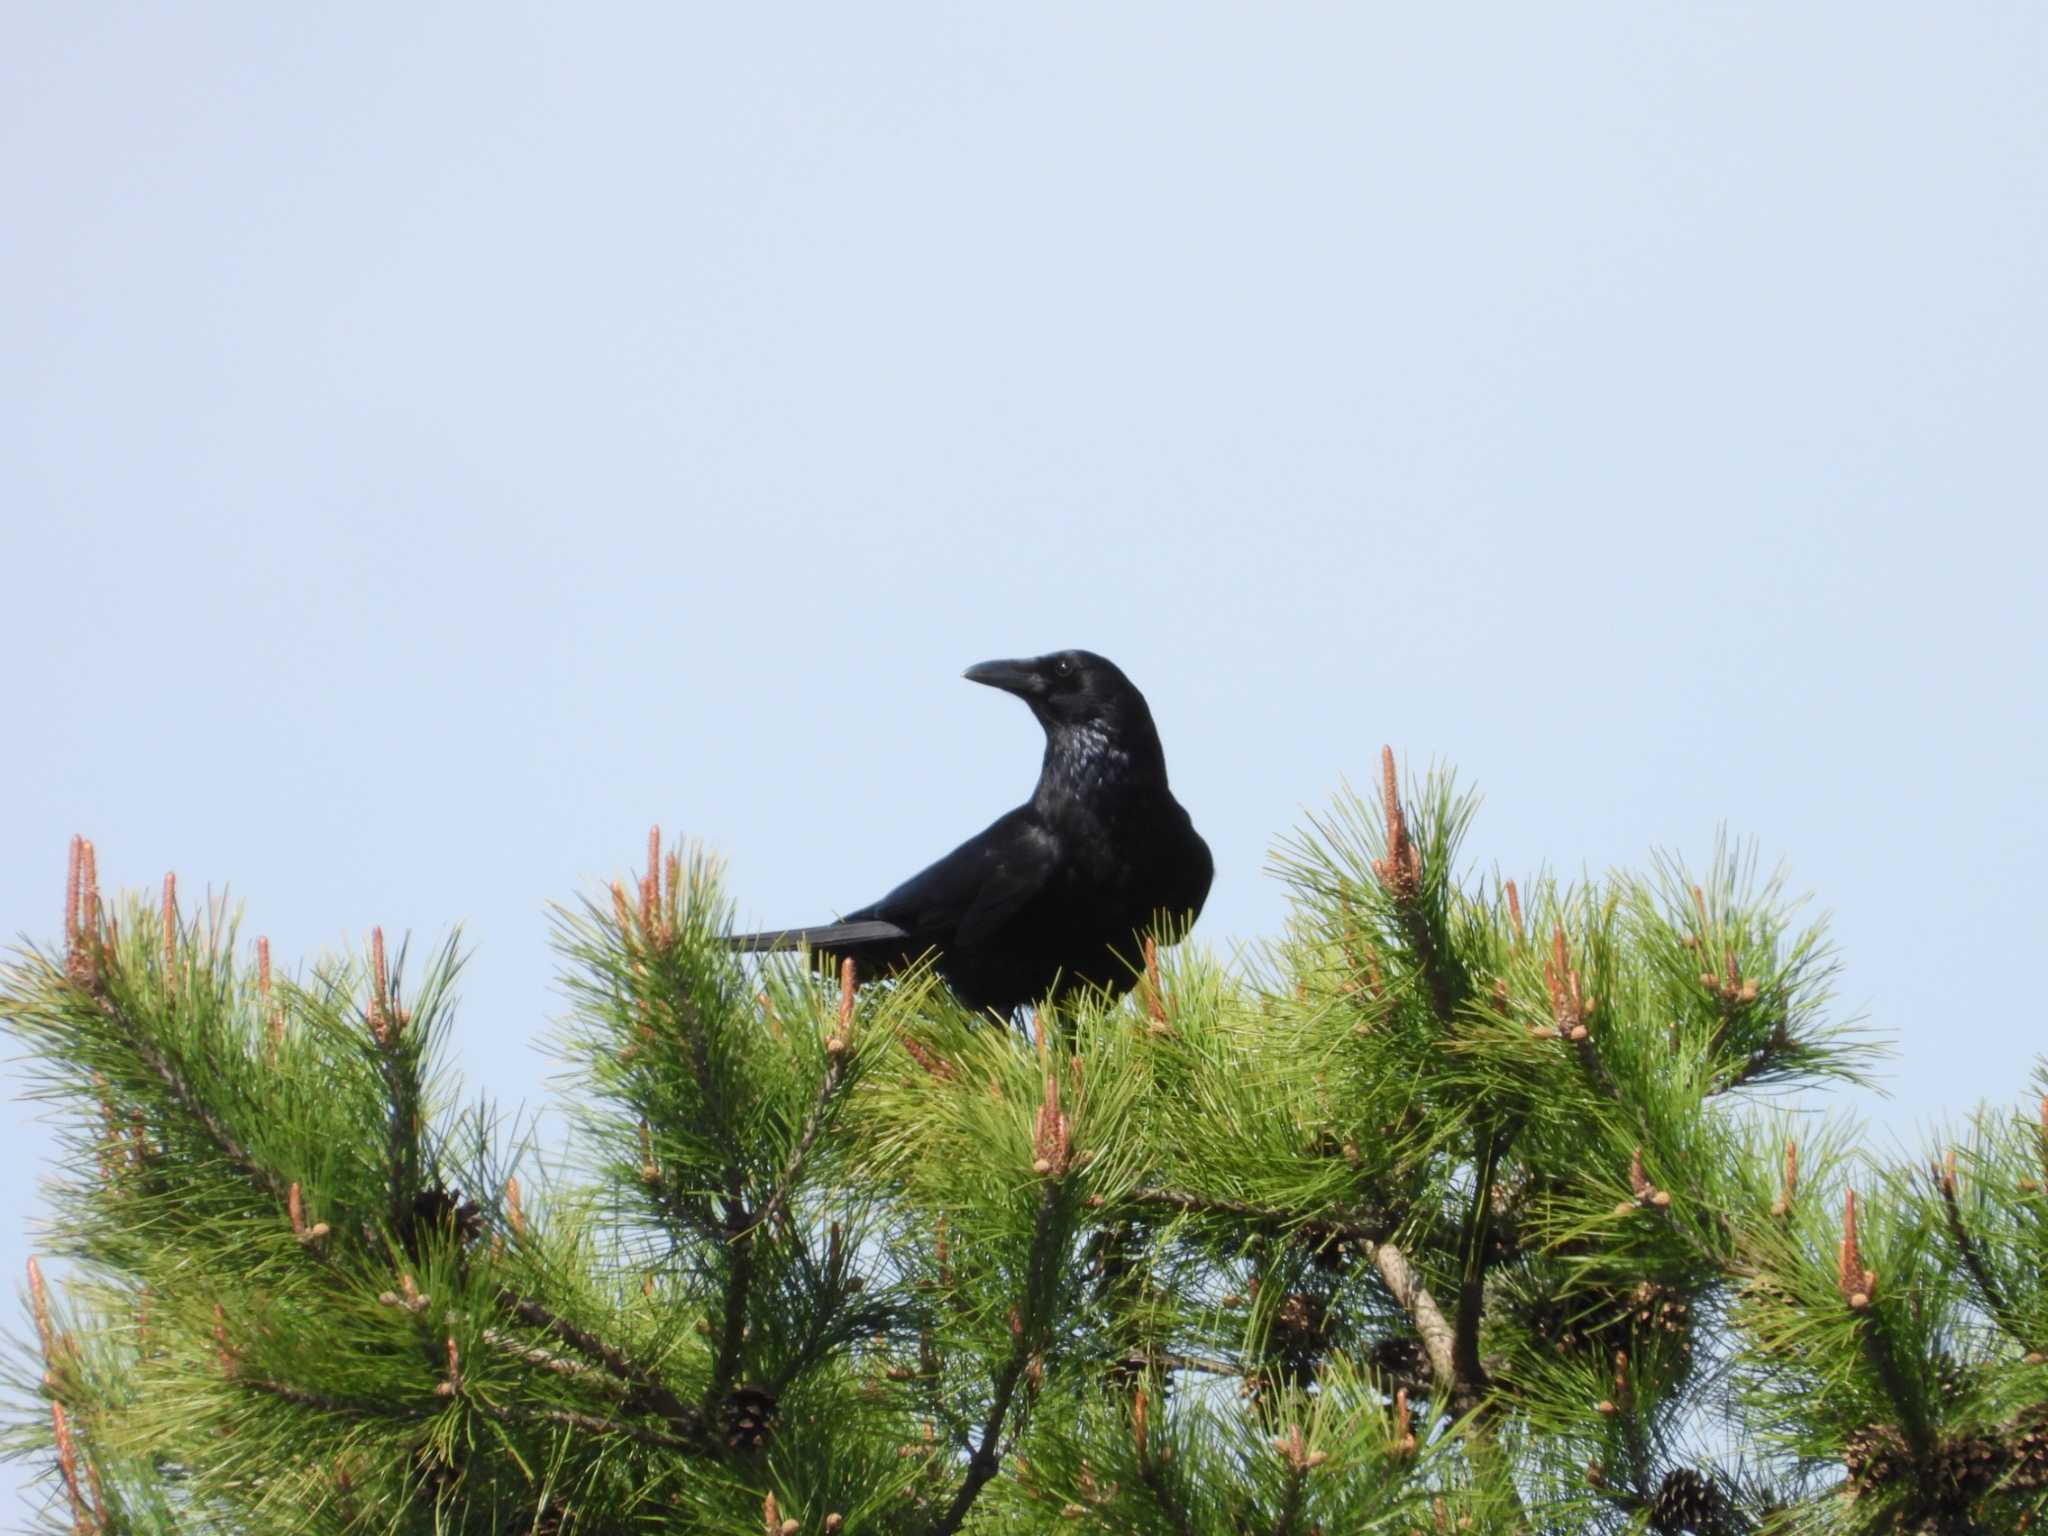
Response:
column 437, row 441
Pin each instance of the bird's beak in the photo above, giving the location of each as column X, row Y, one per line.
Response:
column 1018, row 677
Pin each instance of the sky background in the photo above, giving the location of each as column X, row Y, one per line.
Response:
column 437, row 441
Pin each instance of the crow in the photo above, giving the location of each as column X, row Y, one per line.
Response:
column 1058, row 893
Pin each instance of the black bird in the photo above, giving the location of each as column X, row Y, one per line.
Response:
column 1059, row 891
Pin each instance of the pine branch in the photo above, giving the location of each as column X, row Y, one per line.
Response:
column 1858, row 1288
column 547, row 1359
column 1760, row 1063
column 1152, row 1470
column 86, row 1520
column 1439, row 1338
column 569, row 1418
column 785, row 1183
column 1400, row 872
column 1471, row 1373
column 1988, row 1291
column 188, row 1100
column 732, row 1336
column 343, row 1407
column 646, row 1387
column 455, row 1387
column 386, row 1023
column 836, row 1048
column 1290, row 1501
column 1440, row 1342
column 738, row 1234
column 700, row 1061
column 681, row 1213
column 1570, row 1008
column 1871, row 1333
column 1355, row 1227
column 986, row 1460
column 1153, row 1475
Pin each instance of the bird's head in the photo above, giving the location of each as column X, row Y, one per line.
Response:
column 1073, row 692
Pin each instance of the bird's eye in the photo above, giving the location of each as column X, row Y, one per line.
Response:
column 1063, row 668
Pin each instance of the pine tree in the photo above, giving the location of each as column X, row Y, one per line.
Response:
column 1462, row 1207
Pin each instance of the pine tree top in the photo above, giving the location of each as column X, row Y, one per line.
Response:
column 1463, row 1205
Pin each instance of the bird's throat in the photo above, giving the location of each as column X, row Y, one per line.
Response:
column 1090, row 762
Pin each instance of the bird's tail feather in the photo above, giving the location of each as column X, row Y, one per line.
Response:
column 835, row 936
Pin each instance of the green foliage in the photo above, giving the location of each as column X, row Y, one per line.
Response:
column 1463, row 1210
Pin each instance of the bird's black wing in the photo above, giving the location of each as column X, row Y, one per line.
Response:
column 975, row 889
